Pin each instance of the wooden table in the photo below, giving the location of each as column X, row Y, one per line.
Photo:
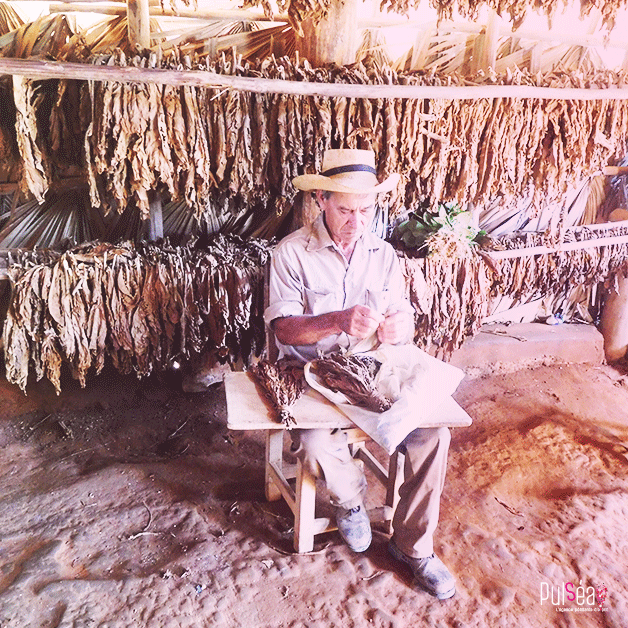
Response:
column 249, row 409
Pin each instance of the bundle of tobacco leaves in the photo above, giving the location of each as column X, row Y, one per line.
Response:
column 354, row 377
column 283, row 384
column 142, row 307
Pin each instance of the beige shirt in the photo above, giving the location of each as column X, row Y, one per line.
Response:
column 310, row 276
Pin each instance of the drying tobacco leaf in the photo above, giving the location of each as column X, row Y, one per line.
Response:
column 354, row 376
column 142, row 307
column 282, row 382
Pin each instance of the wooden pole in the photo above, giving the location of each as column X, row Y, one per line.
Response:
column 613, row 171
column 138, row 23
column 40, row 69
column 118, row 8
column 567, row 246
column 334, row 39
column 614, row 319
column 155, row 219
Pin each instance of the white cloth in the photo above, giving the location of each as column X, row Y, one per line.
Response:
column 420, row 387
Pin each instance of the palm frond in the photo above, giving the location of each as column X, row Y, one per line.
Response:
column 42, row 38
column 66, row 217
column 9, row 18
column 248, row 39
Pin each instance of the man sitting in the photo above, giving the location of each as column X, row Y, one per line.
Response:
column 333, row 283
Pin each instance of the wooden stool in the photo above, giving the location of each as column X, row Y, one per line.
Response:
column 247, row 409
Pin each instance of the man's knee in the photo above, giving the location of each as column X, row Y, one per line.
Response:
column 434, row 437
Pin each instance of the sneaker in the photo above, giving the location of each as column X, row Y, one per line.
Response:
column 430, row 574
column 354, row 527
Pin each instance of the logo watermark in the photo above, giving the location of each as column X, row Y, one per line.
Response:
column 568, row 597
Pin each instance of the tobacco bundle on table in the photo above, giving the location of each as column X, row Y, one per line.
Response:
column 354, row 377
column 283, row 384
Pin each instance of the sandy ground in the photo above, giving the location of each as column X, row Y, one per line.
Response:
column 130, row 504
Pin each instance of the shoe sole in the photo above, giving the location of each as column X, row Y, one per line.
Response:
column 399, row 555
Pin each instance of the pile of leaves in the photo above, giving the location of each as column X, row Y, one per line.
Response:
column 354, row 376
column 140, row 307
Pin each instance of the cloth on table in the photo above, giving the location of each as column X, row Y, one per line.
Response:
column 420, row 387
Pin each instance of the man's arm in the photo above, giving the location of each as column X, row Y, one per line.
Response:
column 360, row 321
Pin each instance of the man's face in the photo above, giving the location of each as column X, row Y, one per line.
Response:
column 347, row 215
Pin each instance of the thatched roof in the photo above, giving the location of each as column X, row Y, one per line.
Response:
column 215, row 151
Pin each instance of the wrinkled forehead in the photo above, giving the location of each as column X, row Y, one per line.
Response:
column 352, row 200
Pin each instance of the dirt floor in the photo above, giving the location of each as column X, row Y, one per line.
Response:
column 129, row 503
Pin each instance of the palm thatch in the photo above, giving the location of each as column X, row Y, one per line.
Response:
column 112, row 34
column 247, row 39
column 44, row 37
column 66, row 218
column 9, row 18
column 448, row 49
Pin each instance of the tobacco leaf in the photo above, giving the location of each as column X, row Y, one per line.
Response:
column 354, row 376
column 283, row 384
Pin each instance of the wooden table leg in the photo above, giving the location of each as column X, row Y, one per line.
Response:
column 304, row 511
column 274, row 454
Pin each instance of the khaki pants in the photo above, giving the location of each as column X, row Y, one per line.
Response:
column 326, row 454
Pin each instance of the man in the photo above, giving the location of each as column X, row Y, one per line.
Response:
column 332, row 284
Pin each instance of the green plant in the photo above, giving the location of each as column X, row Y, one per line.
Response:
column 450, row 222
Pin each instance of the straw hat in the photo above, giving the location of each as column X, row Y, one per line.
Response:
column 347, row 170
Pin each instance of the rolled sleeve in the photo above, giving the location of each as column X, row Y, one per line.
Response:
column 285, row 288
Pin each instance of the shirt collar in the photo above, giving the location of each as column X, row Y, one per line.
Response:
column 319, row 237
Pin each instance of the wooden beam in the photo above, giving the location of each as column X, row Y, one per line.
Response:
column 40, row 69
column 566, row 246
column 117, row 8
column 58, row 185
column 8, row 188
column 613, row 171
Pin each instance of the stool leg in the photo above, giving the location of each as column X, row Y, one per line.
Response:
column 395, row 479
column 304, row 511
column 274, row 454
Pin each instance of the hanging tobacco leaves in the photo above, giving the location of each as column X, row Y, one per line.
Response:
column 140, row 307
column 452, row 296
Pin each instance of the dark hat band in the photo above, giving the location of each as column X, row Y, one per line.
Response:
column 351, row 168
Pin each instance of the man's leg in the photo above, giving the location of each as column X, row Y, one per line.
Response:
column 416, row 516
column 326, row 454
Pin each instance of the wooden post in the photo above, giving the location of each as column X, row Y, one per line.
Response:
column 155, row 219
column 335, row 38
column 139, row 23
column 614, row 319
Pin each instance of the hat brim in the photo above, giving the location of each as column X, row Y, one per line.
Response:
column 311, row 182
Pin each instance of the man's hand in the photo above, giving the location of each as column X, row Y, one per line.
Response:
column 360, row 321
column 396, row 328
